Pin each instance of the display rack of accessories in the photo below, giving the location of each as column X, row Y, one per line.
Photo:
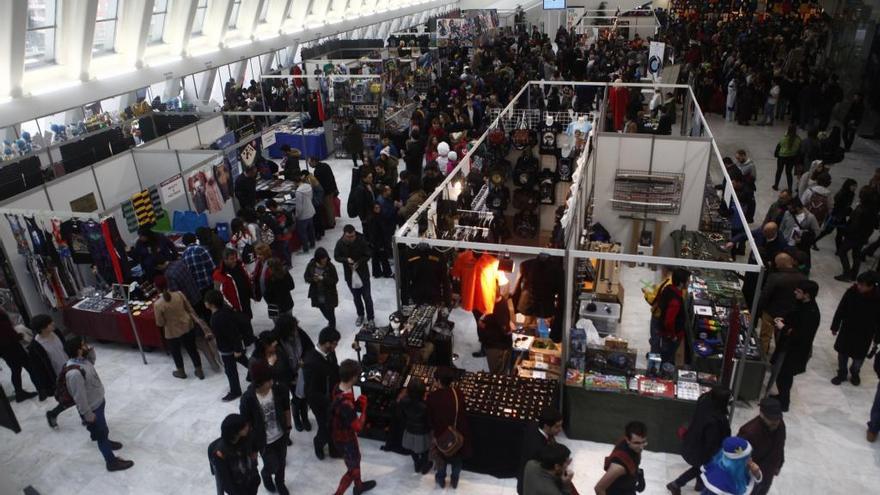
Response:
column 655, row 192
column 712, row 220
column 714, row 297
column 699, row 245
column 105, row 317
column 360, row 99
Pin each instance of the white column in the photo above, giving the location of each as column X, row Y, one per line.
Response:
column 134, row 26
column 248, row 16
column 178, row 25
column 13, row 28
column 216, row 21
column 76, row 31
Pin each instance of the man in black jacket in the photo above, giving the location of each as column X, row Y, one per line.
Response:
column 226, row 325
column 536, row 438
column 709, row 427
column 321, row 372
column 414, row 154
column 362, row 198
column 777, row 296
column 795, row 342
column 265, row 406
column 47, row 360
column 354, row 252
column 246, row 189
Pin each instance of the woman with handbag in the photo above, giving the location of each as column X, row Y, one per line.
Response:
column 176, row 317
column 449, row 427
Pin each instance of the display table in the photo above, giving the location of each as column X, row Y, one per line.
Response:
column 600, row 416
column 113, row 326
column 497, row 444
column 312, row 143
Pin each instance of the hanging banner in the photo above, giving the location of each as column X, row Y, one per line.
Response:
column 171, row 188
column 655, row 59
column 268, row 139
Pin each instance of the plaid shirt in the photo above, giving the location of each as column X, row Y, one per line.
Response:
column 200, row 265
column 179, row 278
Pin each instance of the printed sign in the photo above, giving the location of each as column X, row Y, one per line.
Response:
column 171, row 188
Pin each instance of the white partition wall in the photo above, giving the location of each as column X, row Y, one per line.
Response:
column 74, row 186
column 211, row 129
column 184, row 139
column 34, row 199
column 117, row 179
column 190, row 158
column 155, row 166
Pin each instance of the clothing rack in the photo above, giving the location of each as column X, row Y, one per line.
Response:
column 479, row 202
column 48, row 213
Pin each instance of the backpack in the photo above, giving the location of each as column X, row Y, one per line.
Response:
column 62, row 394
column 267, row 236
column 818, row 206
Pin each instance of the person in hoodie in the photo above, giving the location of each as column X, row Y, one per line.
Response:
column 796, row 222
column 794, row 346
column 233, row 459
column 305, row 214
column 856, row 324
column 265, row 407
column 840, row 212
column 709, row 427
column 817, row 198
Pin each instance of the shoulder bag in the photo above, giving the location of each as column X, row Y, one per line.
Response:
column 451, row 441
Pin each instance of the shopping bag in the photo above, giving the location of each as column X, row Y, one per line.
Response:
column 336, row 207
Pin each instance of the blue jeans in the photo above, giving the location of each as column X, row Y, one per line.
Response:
column 101, row 433
column 363, row 298
column 305, row 229
column 456, row 463
column 874, row 423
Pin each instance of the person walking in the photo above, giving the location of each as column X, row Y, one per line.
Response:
column 233, row 459
column 361, row 198
column 322, row 279
column 777, row 297
column 709, row 426
column 295, row 343
column 353, row 252
column 15, row 356
column 264, row 406
column 550, row 473
column 856, row 324
column 536, row 438
column 353, row 142
column 305, row 213
column 446, row 409
column 321, row 372
column 233, row 282
column 176, row 318
column 794, row 346
column 348, row 416
column 856, row 233
column 416, row 431
column 85, row 389
column 732, row 471
column 622, row 473
column 324, row 174
column 852, row 120
column 47, row 358
column 226, row 325
column 766, row 435
column 278, row 290
column 874, row 421
column 840, row 211
column 787, row 154
column 379, row 234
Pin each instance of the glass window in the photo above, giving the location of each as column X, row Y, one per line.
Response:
column 157, row 22
column 264, row 11
column 39, row 46
column 105, row 26
column 199, row 20
column 233, row 17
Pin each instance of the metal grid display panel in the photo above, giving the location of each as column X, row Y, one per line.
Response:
column 639, row 191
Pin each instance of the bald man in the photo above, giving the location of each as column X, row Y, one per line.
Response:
column 777, row 297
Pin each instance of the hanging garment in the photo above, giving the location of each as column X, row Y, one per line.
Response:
column 116, row 250
column 72, row 232
column 18, row 232
column 539, row 286
column 93, row 234
column 480, row 279
column 143, row 209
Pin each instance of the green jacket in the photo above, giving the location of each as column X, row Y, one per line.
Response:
column 789, row 147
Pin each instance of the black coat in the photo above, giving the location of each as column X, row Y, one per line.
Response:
column 227, row 327
column 426, row 279
column 321, row 376
column 354, row 139
column 540, row 283
column 777, row 296
column 708, row 428
column 234, row 466
column 532, row 443
column 796, row 339
column 278, row 292
column 325, row 176
column 323, row 289
column 857, row 321
column 359, row 251
column 250, row 408
column 42, row 371
column 246, row 191
column 414, row 415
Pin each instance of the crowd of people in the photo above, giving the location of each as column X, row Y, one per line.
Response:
column 750, row 70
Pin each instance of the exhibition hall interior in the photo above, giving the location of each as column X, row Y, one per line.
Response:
column 529, row 247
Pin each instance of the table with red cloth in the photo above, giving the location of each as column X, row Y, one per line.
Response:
column 112, row 325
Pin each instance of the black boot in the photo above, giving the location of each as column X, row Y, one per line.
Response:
column 267, row 481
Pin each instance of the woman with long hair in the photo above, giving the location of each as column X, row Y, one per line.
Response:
column 176, row 317
column 242, row 240
column 278, row 288
column 322, row 279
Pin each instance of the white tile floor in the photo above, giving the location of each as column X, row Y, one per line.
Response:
column 167, row 423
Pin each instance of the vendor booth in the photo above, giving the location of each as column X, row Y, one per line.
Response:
column 565, row 227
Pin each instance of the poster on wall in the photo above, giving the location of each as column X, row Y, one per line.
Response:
column 249, row 154
column 171, row 188
column 223, row 177
column 203, row 190
column 655, row 59
column 84, row 204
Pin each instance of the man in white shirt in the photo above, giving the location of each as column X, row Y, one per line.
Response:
column 770, row 105
column 264, row 404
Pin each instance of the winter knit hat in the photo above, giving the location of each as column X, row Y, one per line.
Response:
column 736, row 448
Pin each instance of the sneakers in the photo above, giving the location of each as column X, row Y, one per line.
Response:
column 837, row 380
column 855, row 380
column 673, row 488
column 230, row 397
column 52, row 420
column 119, row 464
column 365, row 487
column 359, row 322
column 179, row 374
column 871, row 436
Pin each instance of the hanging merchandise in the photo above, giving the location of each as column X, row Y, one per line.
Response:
column 143, row 209
column 563, row 170
column 525, row 223
column 548, row 137
column 116, row 251
column 526, row 170
column 480, row 279
column 547, row 187
column 539, row 286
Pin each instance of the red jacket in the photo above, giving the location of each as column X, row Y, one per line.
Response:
column 228, row 287
column 672, row 312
